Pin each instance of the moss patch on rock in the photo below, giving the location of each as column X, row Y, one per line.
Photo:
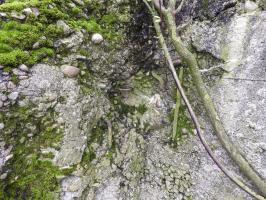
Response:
column 17, row 37
column 31, row 174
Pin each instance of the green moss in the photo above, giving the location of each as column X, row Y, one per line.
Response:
column 225, row 53
column 5, row 48
column 7, row 69
column 97, row 135
column 142, row 109
column 98, row 132
column 90, row 26
column 30, row 176
column 17, row 5
column 40, row 54
column 76, row 11
column 205, row 5
column 183, row 122
column 15, row 57
column 17, row 38
column 14, row 78
column 87, row 157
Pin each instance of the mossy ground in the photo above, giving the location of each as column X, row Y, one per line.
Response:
column 17, row 37
column 31, row 174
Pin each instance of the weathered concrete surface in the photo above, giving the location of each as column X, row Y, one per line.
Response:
column 45, row 88
column 239, row 97
column 237, row 45
column 143, row 165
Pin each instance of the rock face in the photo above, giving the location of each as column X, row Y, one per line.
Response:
column 109, row 135
column 239, row 96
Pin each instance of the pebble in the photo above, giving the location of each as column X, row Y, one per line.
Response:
column 97, row 38
column 3, row 176
column 70, row 71
column 11, row 85
column 27, row 11
column 22, row 140
column 6, row 78
column 13, row 96
column 8, row 157
column 23, row 68
column 3, row 15
column 23, row 77
column 36, row 45
column 250, row 6
column 19, row 72
column 2, row 87
column 3, row 97
column 30, row 135
column 184, row 131
column 1, row 67
column 61, row 24
column 1, row 104
column 2, row 126
column 18, row 16
column 35, row 11
column 6, row 103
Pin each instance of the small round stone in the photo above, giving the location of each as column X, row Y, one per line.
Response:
column 3, row 176
column 13, row 96
column 23, row 68
column 3, row 97
column 70, row 71
column 11, row 85
column 17, row 15
column 3, row 15
column 35, row 11
column 27, row 11
column 1, row 104
column 36, row 45
column 97, row 38
column 23, row 77
column 1, row 67
column 250, row 6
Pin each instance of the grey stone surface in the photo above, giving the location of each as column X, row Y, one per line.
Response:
column 72, row 42
column 142, row 164
column 61, row 24
column 47, row 84
column 13, row 96
column 17, row 15
column 239, row 97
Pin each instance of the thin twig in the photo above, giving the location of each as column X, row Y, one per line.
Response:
column 159, row 5
column 177, row 107
column 179, row 7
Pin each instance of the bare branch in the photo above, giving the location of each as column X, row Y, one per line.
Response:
column 179, row 7
column 172, row 4
column 149, row 7
column 159, row 5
